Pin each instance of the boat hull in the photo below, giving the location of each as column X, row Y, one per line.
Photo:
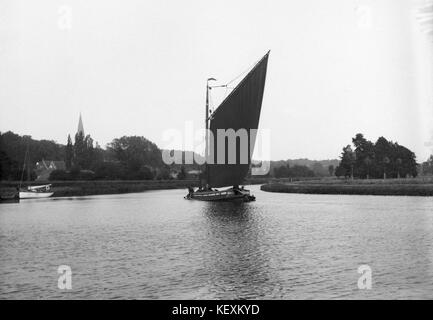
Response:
column 35, row 195
column 225, row 195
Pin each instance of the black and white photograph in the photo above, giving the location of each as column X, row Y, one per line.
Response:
column 237, row 151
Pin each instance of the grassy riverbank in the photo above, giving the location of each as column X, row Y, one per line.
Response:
column 402, row 187
column 95, row 187
column 84, row 188
column 390, row 187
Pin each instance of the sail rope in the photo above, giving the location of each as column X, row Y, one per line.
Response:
column 242, row 73
column 24, row 165
column 227, row 86
column 236, row 78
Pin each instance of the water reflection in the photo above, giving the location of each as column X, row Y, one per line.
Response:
column 239, row 260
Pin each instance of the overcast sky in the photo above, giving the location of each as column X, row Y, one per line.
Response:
column 337, row 67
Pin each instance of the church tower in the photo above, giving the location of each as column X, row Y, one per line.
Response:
column 80, row 126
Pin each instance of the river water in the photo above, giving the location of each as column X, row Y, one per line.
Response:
column 156, row 245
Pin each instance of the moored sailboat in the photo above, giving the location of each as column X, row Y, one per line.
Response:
column 32, row 192
column 36, row 192
column 240, row 110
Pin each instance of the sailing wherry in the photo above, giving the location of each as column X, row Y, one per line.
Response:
column 239, row 111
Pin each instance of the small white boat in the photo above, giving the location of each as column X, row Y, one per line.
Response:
column 32, row 192
column 36, row 192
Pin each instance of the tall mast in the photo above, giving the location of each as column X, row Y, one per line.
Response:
column 206, row 152
column 28, row 170
column 25, row 163
column 206, row 119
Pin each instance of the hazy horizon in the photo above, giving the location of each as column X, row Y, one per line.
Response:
column 139, row 68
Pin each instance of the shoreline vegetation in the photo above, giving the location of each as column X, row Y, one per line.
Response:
column 422, row 186
column 100, row 187
column 135, row 164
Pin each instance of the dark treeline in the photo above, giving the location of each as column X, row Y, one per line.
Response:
column 125, row 158
column 299, row 168
column 136, row 158
column 383, row 159
column 13, row 149
column 296, row 171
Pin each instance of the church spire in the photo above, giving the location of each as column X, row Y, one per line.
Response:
column 80, row 126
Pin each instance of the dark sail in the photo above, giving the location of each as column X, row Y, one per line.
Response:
column 241, row 109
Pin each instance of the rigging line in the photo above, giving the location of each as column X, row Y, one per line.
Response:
column 226, row 92
column 237, row 77
column 24, row 164
column 243, row 72
column 234, row 79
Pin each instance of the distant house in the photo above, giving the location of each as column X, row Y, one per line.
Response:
column 45, row 167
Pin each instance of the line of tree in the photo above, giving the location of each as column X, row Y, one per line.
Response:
column 125, row 158
column 297, row 171
column 383, row 159
column 82, row 155
column 136, row 158
column 16, row 149
column 320, row 168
